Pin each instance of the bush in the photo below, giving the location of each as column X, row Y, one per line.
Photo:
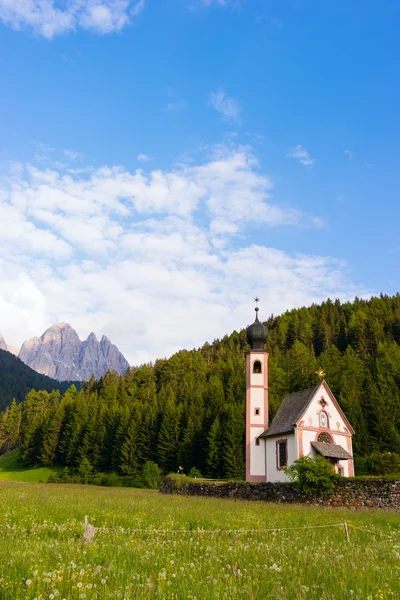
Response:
column 151, row 475
column 110, row 480
column 378, row 464
column 178, row 481
column 313, row 476
column 194, row 473
column 135, row 481
column 85, row 471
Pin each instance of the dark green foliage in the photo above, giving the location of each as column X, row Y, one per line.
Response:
column 234, row 442
column 378, row 463
column 17, row 379
column 195, row 473
column 313, row 476
column 190, row 409
column 151, row 475
column 214, row 455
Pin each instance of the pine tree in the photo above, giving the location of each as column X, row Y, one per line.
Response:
column 234, row 443
column 129, row 459
column 11, row 427
column 214, row 458
column 169, row 436
column 51, row 437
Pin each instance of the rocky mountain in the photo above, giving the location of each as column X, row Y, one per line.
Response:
column 3, row 345
column 7, row 347
column 60, row 354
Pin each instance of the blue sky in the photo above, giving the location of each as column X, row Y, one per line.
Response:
column 162, row 161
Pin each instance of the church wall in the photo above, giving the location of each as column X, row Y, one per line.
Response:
column 311, row 417
column 273, row 472
column 257, row 402
column 257, row 455
column 309, row 436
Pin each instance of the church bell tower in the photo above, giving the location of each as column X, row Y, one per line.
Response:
column 256, row 400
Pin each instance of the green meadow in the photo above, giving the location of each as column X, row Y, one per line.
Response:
column 12, row 470
column 171, row 547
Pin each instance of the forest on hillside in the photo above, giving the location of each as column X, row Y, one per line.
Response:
column 190, row 408
column 17, row 379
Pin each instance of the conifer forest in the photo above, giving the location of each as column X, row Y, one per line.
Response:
column 190, row 409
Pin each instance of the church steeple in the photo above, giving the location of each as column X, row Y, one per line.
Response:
column 257, row 333
column 256, row 400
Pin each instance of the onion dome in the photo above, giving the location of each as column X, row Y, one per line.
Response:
column 257, row 334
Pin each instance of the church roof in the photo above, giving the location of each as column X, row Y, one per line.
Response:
column 331, row 450
column 290, row 411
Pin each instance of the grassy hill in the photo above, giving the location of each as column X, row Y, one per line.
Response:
column 17, row 379
column 12, row 470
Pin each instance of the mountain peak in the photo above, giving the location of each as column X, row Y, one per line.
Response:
column 92, row 337
column 3, row 345
column 59, row 353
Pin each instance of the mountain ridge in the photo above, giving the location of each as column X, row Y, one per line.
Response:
column 60, row 354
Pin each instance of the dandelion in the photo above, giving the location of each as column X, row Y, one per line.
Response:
column 28, row 581
column 79, row 584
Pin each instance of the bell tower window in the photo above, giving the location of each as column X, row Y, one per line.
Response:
column 257, row 367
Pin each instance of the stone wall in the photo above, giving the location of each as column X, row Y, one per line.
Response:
column 350, row 493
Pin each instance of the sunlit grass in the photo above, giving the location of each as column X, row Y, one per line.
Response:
column 12, row 470
column 140, row 552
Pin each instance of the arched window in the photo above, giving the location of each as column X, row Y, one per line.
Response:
column 256, row 366
column 325, row 438
column 323, row 419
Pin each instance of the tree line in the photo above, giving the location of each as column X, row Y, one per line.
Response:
column 190, row 409
column 17, row 379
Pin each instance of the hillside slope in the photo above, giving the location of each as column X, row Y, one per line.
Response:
column 17, row 379
column 190, row 409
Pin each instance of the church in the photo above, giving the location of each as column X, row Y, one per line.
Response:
column 309, row 422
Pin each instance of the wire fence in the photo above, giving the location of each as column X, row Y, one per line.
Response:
column 90, row 531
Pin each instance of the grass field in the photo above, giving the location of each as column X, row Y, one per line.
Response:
column 173, row 547
column 12, row 470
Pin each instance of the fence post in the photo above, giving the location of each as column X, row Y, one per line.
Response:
column 347, row 532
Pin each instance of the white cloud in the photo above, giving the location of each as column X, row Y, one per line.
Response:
column 143, row 157
column 349, row 154
column 301, row 155
column 150, row 259
column 177, row 106
column 227, row 106
column 55, row 17
column 220, row 2
column 72, row 155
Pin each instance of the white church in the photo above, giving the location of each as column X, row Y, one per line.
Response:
column 309, row 422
